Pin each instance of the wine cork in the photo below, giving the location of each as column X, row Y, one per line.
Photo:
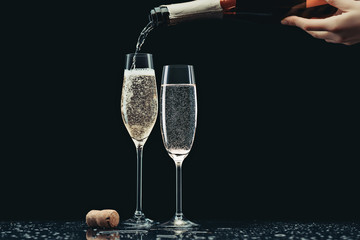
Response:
column 106, row 218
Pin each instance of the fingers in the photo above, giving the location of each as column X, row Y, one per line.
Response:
column 344, row 5
column 318, row 28
column 327, row 36
column 342, row 27
column 332, row 37
column 309, row 24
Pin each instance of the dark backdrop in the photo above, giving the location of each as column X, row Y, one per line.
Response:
column 277, row 134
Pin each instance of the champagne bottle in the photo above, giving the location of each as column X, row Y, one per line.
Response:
column 253, row 10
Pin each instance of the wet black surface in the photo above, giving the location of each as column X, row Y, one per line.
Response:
column 208, row 230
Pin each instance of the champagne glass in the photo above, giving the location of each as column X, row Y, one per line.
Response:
column 178, row 117
column 139, row 108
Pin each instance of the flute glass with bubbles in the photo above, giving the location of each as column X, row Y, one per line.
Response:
column 139, row 109
column 178, row 118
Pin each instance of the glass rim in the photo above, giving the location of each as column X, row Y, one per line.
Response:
column 178, row 65
column 139, row 54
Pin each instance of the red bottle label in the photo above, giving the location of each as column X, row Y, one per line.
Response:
column 314, row 3
column 227, row 4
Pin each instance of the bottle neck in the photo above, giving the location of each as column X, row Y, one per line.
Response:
column 187, row 11
column 200, row 9
column 159, row 16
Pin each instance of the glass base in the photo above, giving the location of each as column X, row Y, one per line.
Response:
column 138, row 222
column 179, row 222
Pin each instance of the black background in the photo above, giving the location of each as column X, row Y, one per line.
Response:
column 277, row 135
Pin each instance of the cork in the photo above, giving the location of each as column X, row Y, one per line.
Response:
column 106, row 218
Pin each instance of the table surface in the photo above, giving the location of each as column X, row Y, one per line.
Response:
column 209, row 230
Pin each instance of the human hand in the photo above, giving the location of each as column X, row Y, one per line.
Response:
column 343, row 27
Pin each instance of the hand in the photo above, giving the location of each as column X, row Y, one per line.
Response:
column 343, row 27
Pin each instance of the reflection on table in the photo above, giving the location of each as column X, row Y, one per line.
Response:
column 208, row 230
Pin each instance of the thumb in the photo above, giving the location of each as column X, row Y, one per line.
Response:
column 344, row 5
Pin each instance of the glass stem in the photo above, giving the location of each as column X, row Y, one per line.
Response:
column 139, row 155
column 178, row 214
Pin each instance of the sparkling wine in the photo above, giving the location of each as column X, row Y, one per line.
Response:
column 141, row 39
column 179, row 121
column 139, row 104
